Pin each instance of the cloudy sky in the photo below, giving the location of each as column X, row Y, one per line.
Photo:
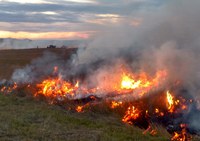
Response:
column 69, row 19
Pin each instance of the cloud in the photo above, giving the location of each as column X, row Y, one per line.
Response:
column 25, row 1
column 45, row 35
column 70, row 15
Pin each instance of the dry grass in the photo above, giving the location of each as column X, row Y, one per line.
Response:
column 12, row 59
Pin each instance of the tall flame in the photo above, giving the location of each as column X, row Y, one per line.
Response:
column 170, row 101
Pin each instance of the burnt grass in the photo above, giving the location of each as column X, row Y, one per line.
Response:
column 24, row 118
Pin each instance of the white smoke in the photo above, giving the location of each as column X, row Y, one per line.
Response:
column 168, row 38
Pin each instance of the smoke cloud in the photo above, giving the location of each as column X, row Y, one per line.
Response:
column 167, row 38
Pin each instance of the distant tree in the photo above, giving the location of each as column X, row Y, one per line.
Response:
column 51, row 46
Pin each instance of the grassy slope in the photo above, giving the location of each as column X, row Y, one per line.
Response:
column 26, row 119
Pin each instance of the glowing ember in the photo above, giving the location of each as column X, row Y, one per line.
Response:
column 8, row 89
column 150, row 130
column 115, row 104
column 156, row 110
column 182, row 136
column 131, row 114
column 79, row 109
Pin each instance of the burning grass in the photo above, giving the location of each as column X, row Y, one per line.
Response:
column 141, row 112
column 137, row 99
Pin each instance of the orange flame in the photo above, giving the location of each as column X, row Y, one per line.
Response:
column 170, row 101
column 182, row 136
column 56, row 87
column 8, row 89
column 79, row 109
column 131, row 113
column 150, row 130
column 128, row 83
column 115, row 104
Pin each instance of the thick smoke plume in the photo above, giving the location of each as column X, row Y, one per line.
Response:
column 167, row 38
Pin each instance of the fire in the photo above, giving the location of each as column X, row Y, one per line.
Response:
column 128, row 83
column 114, row 88
column 56, row 88
column 157, row 111
column 132, row 113
column 8, row 89
column 124, row 82
column 151, row 131
column 115, row 104
column 170, row 101
column 79, row 109
column 142, row 81
column 182, row 136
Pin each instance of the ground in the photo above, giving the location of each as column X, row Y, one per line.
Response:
column 28, row 119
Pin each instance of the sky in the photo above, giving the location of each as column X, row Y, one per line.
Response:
column 69, row 19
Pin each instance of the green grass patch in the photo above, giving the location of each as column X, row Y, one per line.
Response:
column 27, row 119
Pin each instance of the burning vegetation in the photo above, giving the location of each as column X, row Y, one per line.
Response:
column 148, row 74
column 140, row 98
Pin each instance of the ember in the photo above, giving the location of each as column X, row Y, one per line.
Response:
column 131, row 114
column 115, row 104
column 8, row 87
column 79, row 109
column 182, row 136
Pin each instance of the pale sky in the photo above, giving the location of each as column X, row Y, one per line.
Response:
column 68, row 19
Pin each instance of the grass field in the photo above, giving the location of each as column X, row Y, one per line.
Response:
column 28, row 119
column 12, row 59
column 25, row 119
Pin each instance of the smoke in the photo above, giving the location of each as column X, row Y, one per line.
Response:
column 41, row 68
column 167, row 38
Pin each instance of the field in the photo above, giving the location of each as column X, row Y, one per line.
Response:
column 28, row 119
column 12, row 59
